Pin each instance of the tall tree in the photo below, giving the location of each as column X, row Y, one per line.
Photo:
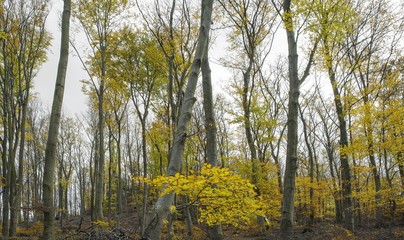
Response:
column 23, row 50
column 50, row 152
column 175, row 32
column 250, row 19
column 368, row 53
column 162, row 206
column 293, row 113
column 215, row 232
column 98, row 19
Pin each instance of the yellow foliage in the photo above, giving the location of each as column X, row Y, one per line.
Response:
column 104, row 224
column 222, row 196
column 35, row 230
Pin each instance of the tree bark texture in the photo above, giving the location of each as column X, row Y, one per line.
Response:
column 162, row 206
column 215, row 232
column 50, row 152
column 292, row 135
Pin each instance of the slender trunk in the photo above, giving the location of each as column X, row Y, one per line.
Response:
column 5, row 186
column 275, row 156
column 16, row 204
column 401, row 169
column 82, row 187
column 345, row 169
column 311, row 169
column 292, row 135
column 99, row 191
column 110, row 177
column 4, row 147
column 162, row 206
column 145, row 188
column 247, row 117
column 118, row 148
column 60, row 192
column 50, row 152
column 372, row 162
column 215, row 232
column 93, row 176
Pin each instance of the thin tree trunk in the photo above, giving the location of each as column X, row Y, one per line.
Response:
column 311, row 169
column 16, row 204
column 292, row 135
column 162, row 206
column 345, row 169
column 99, row 172
column 215, row 232
column 145, row 188
column 372, row 161
column 50, row 152
column 119, row 196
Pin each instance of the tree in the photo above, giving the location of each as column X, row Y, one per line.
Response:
column 293, row 112
column 50, row 152
column 98, row 19
column 137, row 64
column 23, row 50
column 215, row 231
column 250, row 32
column 176, row 33
column 368, row 56
column 162, row 206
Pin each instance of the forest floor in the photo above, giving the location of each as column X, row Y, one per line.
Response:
column 81, row 227
column 128, row 228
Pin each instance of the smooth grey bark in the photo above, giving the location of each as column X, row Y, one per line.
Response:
column 286, row 229
column 50, row 152
column 16, row 204
column 292, row 135
column 162, row 206
column 246, row 100
column 215, row 232
column 99, row 171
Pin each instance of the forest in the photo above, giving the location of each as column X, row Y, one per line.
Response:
column 209, row 119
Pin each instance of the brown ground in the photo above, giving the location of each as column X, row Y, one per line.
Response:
column 128, row 228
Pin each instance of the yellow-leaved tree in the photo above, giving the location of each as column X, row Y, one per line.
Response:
column 220, row 195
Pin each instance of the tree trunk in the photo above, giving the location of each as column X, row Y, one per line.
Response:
column 99, row 172
column 311, row 169
column 50, row 152
column 292, row 135
column 376, row 176
column 119, row 195
column 59, row 213
column 215, row 232
column 16, row 204
column 345, row 169
column 162, row 206
column 145, row 188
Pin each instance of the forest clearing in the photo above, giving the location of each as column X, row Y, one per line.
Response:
column 208, row 119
